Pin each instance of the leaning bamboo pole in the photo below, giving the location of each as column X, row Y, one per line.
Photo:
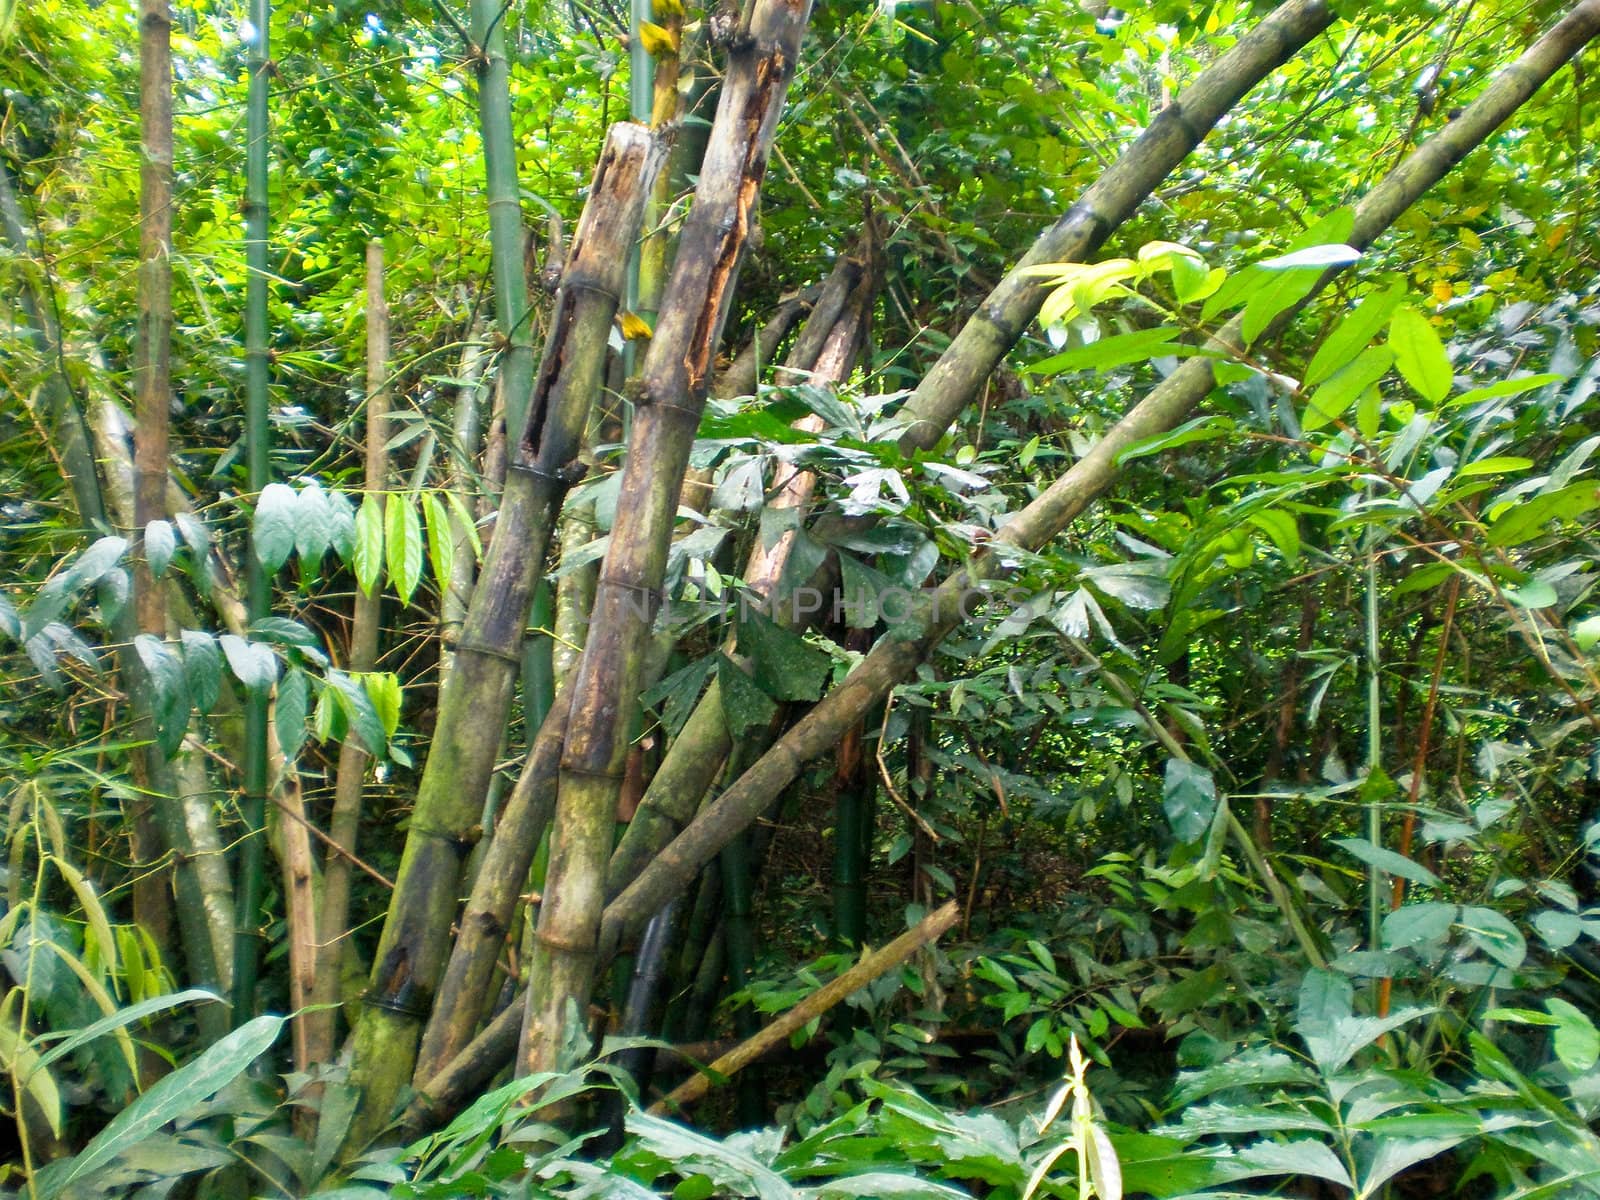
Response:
column 476, row 695
column 673, row 387
column 824, row 354
column 895, row 657
column 952, row 384
column 257, row 432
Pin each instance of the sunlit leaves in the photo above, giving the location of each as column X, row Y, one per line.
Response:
column 273, row 533
column 1419, row 355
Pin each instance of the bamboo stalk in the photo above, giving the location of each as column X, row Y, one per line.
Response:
column 475, row 698
column 895, row 657
column 874, row 966
column 344, row 822
column 153, row 768
column 258, row 585
column 676, row 376
column 825, row 353
column 465, row 434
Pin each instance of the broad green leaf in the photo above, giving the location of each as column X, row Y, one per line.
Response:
column 745, row 706
column 1394, row 1154
column 168, row 1099
column 1189, row 796
column 441, row 540
column 252, row 663
column 170, row 691
column 1577, row 1042
column 1282, row 528
column 1352, row 335
column 383, row 689
column 313, row 524
column 1498, row 465
column 1325, row 999
column 1330, row 401
column 1419, row 924
column 202, row 666
column 289, row 714
column 785, row 665
column 1494, row 934
column 272, row 532
column 367, row 548
column 160, row 542
column 1527, row 519
column 1419, row 355
column 1331, row 1048
column 1388, row 861
column 1586, row 633
column 1506, row 387
column 1256, row 1067
column 1118, row 350
column 1306, row 1156
column 1201, row 429
column 359, row 713
column 1536, row 593
column 19, row 1060
column 403, row 545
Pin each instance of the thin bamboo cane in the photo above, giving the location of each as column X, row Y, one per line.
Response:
column 344, row 822
column 202, row 943
column 894, row 658
column 257, row 434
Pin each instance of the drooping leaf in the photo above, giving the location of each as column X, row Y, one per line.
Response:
column 166, row 1100
column 1189, row 796
column 1577, row 1042
column 1352, row 335
column 745, row 705
column 367, row 548
column 272, row 532
column 1388, row 860
column 1330, row 401
column 170, row 691
column 403, row 545
column 293, row 703
column 202, row 666
column 313, row 525
column 785, row 665
column 383, row 689
column 1419, row 355
column 441, row 540
column 160, row 542
column 252, row 663
column 361, row 717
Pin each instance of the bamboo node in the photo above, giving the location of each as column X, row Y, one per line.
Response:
column 463, row 841
column 409, row 1001
column 564, row 945
column 464, row 646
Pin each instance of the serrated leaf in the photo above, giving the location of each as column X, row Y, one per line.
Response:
column 160, row 542
column 272, row 531
column 289, row 714
column 1419, row 355
column 367, row 548
column 403, row 545
column 441, row 540
column 253, row 664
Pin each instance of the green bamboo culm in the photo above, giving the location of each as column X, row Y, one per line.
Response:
column 1375, row 898
column 257, row 430
column 739, row 942
column 538, row 660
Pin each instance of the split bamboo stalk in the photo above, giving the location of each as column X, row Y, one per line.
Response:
column 476, row 696
column 824, row 354
column 676, row 376
column 873, row 966
column 344, row 822
column 257, row 432
column 952, row 384
column 895, row 657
